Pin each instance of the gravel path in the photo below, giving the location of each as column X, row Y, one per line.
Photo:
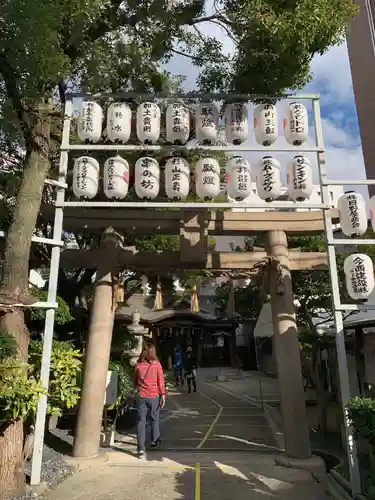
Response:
column 54, row 467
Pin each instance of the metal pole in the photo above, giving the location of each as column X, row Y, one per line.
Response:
column 355, row 479
column 36, row 464
column 259, row 379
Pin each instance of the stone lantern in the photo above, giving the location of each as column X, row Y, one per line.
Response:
column 139, row 332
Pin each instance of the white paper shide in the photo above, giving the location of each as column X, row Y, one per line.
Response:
column 90, row 122
column 116, row 178
column 86, row 171
column 238, row 178
column 296, row 123
column 119, row 122
column 359, row 276
column 207, row 121
column 352, row 213
column 236, row 123
column 148, row 122
column 268, row 179
column 177, row 178
column 147, row 178
column 266, row 129
column 177, row 123
column 207, row 178
column 299, row 178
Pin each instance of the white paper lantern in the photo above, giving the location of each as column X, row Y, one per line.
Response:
column 90, row 122
column 177, row 123
column 359, row 276
column 207, row 121
column 299, row 178
column 371, row 206
column 86, row 171
column 296, row 123
column 119, row 122
column 148, row 122
column 147, row 178
column 352, row 213
column 268, row 179
column 236, row 123
column 266, row 129
column 238, row 178
column 116, row 178
column 207, row 178
column 177, row 178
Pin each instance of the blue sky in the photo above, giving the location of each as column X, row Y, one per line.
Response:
column 332, row 80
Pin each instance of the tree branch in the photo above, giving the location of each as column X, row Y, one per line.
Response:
column 197, row 59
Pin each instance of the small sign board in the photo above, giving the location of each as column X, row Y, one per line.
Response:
column 111, row 388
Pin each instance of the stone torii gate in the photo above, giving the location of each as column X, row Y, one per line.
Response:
column 194, row 227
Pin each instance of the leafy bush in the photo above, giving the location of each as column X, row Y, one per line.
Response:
column 19, row 392
column 66, row 367
column 361, row 412
column 62, row 314
column 125, row 378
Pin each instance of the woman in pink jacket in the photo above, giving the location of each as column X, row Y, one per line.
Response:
column 149, row 381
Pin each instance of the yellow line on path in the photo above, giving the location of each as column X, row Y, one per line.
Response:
column 208, row 433
column 197, row 482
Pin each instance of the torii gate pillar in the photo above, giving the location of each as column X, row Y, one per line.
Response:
column 90, row 413
column 285, row 342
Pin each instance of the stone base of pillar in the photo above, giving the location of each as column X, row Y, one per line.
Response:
column 314, row 464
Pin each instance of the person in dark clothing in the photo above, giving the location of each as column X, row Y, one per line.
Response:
column 178, row 363
column 190, row 369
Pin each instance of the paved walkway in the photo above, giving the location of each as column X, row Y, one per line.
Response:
column 216, row 445
column 212, row 419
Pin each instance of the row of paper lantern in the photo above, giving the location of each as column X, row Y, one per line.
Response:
column 116, row 178
column 178, row 117
column 353, row 213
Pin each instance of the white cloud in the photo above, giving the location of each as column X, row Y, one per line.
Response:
column 332, row 77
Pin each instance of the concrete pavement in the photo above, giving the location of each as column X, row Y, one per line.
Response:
column 188, row 476
column 216, row 445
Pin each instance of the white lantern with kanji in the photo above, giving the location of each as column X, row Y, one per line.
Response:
column 177, row 123
column 266, row 128
column 90, row 122
column 207, row 178
column 119, row 122
column 359, row 276
column 177, row 178
column 207, row 122
column 148, row 122
column 236, row 123
column 86, row 171
column 238, row 178
column 296, row 123
column 147, row 178
column 268, row 179
column 116, row 178
column 352, row 213
column 299, row 178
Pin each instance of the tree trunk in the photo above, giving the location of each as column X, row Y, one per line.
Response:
column 14, row 287
column 11, row 467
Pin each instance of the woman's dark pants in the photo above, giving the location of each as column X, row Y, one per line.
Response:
column 148, row 407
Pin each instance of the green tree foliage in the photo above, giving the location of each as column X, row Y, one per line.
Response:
column 246, row 299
